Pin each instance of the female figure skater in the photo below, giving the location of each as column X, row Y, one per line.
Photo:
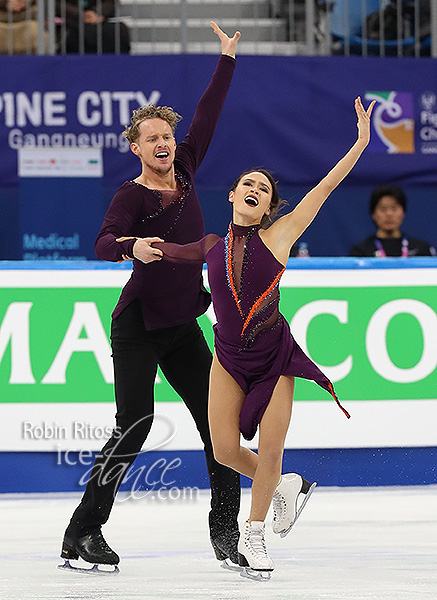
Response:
column 256, row 358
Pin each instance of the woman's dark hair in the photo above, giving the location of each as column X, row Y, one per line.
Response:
column 275, row 203
column 387, row 190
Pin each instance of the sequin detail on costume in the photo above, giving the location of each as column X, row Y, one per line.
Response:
column 229, row 264
column 185, row 187
column 268, row 322
column 261, row 298
column 229, row 246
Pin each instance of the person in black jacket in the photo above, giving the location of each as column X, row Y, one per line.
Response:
column 88, row 27
column 387, row 208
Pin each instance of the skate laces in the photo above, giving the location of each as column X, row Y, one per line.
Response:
column 279, row 506
column 101, row 543
column 256, row 543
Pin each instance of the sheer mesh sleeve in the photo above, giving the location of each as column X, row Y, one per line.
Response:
column 188, row 253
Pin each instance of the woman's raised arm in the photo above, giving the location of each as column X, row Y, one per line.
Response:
column 286, row 230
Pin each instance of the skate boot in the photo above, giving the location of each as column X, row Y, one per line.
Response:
column 92, row 548
column 252, row 552
column 289, row 499
column 225, row 547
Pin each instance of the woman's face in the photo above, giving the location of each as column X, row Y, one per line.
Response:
column 388, row 214
column 251, row 198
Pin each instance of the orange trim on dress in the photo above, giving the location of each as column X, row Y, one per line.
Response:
column 231, row 271
column 258, row 302
column 334, row 395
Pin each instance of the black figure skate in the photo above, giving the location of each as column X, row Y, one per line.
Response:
column 226, row 550
column 92, row 548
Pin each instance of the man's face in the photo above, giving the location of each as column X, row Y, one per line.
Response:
column 155, row 146
column 388, row 214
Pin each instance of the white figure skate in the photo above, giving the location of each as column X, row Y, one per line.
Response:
column 252, row 552
column 289, row 499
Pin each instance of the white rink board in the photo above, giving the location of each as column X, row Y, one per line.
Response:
column 82, row 426
column 117, row 278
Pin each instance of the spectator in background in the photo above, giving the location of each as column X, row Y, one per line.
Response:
column 387, row 208
column 92, row 22
column 299, row 250
column 18, row 27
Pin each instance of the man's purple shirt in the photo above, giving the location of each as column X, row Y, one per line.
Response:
column 170, row 294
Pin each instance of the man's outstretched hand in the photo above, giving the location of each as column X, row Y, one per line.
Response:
column 229, row 45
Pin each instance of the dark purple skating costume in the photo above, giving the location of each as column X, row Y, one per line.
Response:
column 253, row 341
column 154, row 323
column 169, row 295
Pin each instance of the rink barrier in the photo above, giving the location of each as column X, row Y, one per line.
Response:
column 38, row 472
column 310, row 263
column 377, row 447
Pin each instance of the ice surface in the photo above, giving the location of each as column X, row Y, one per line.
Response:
column 354, row 544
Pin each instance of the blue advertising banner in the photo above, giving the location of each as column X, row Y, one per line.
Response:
column 293, row 115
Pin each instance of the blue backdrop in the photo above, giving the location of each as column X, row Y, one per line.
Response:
column 293, row 115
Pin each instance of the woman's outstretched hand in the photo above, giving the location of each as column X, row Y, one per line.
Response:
column 229, row 45
column 363, row 123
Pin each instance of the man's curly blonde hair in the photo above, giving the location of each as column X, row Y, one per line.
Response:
column 166, row 113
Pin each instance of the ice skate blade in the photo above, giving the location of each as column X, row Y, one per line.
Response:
column 92, row 571
column 299, row 510
column 228, row 565
column 255, row 575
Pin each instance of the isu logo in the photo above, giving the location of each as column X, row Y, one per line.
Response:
column 393, row 122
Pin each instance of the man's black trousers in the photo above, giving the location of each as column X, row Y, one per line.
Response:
column 185, row 359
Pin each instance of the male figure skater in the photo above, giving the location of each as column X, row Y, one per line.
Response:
column 154, row 322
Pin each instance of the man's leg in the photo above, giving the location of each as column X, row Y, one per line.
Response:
column 186, row 367
column 135, row 366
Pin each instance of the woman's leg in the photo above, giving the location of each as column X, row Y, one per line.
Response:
column 225, row 401
column 272, row 431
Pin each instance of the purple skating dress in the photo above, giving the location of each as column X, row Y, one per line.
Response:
column 253, row 341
